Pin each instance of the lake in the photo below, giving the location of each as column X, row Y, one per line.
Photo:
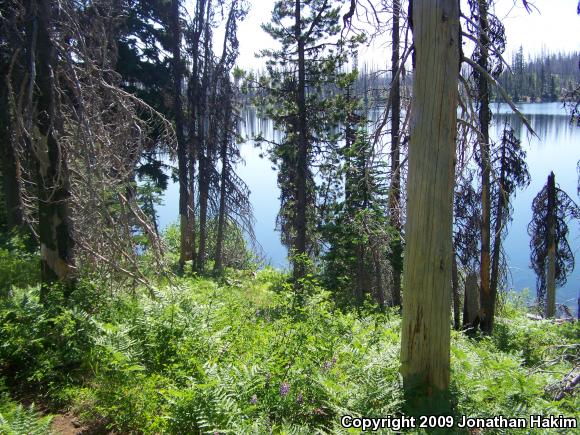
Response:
column 557, row 148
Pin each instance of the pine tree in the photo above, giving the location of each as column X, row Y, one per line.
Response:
column 301, row 75
column 484, row 112
column 357, row 230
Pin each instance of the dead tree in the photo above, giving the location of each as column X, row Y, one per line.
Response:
column 55, row 228
column 395, row 191
column 551, row 256
column 80, row 148
column 510, row 165
column 425, row 335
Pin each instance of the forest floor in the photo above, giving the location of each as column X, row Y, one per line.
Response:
column 240, row 355
column 67, row 424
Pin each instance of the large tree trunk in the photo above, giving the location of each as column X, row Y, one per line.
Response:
column 300, row 224
column 54, row 224
column 395, row 191
column 484, row 119
column 425, row 336
column 551, row 243
column 185, row 251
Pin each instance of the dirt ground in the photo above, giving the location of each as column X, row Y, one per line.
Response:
column 68, row 424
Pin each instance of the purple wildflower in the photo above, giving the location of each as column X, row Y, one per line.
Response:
column 254, row 399
column 327, row 365
column 284, row 388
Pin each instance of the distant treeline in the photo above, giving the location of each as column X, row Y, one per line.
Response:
column 371, row 85
column 547, row 77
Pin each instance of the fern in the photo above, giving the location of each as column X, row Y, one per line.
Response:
column 21, row 420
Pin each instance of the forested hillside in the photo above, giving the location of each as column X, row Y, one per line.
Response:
column 394, row 200
column 547, row 77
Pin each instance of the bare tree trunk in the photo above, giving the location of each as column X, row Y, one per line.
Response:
column 203, row 202
column 551, row 243
column 204, row 151
column 194, row 135
column 54, row 224
column 379, row 280
column 425, row 336
column 9, row 159
column 302, row 161
column 10, row 164
column 361, row 275
column 484, row 119
column 191, row 203
column 501, row 204
column 455, row 290
column 185, row 244
column 471, row 302
column 395, row 191
column 223, row 191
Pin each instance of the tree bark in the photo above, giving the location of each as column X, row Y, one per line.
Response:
column 484, row 119
column 194, row 137
column 54, row 224
column 185, row 243
column 501, row 204
column 204, row 152
column 425, row 336
column 471, row 302
column 300, row 224
column 218, row 266
column 395, row 191
column 191, row 203
column 455, row 290
column 9, row 160
column 11, row 173
column 551, row 243
column 203, row 203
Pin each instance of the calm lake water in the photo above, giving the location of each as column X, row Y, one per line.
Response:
column 557, row 149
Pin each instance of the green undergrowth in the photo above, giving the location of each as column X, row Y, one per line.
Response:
column 16, row 419
column 240, row 355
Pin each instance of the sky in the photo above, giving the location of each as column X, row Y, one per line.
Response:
column 553, row 25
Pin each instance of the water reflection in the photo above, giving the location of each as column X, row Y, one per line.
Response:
column 556, row 148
